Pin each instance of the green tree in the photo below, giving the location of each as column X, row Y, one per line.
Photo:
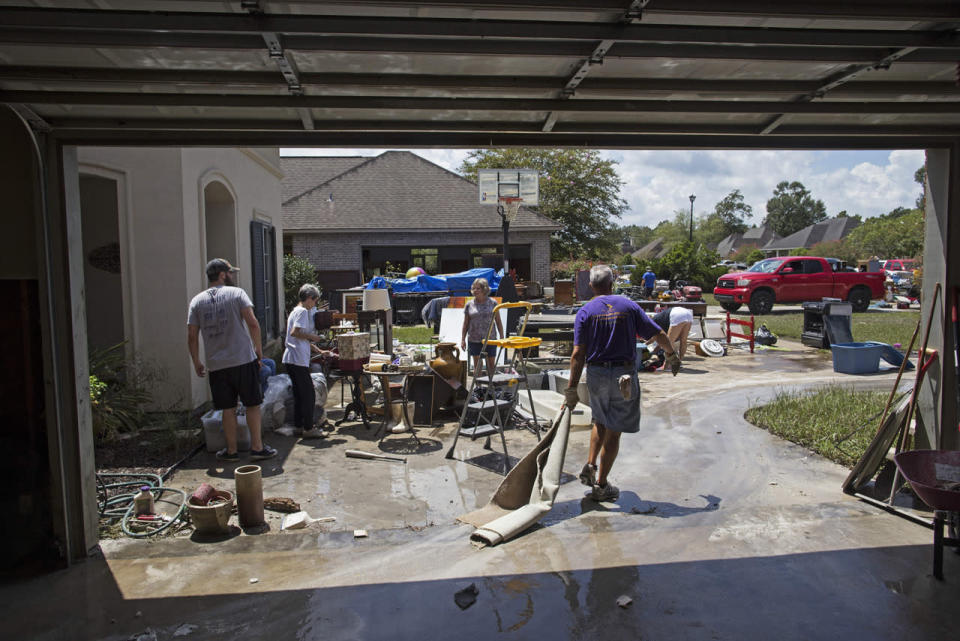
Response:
column 896, row 212
column 890, row 237
column 639, row 235
column 728, row 217
column 792, row 208
column 578, row 189
column 836, row 249
column 920, row 177
column 843, row 214
column 297, row 272
column 754, row 256
column 687, row 261
column 676, row 230
column 740, row 256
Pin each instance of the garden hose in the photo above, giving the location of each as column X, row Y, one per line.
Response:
column 130, row 514
column 107, row 506
column 122, row 506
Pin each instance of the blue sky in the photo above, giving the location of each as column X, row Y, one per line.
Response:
column 660, row 182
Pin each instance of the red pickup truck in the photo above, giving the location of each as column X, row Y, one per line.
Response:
column 794, row 279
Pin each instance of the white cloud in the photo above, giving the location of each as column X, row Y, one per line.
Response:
column 659, row 182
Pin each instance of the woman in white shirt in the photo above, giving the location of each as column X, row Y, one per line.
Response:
column 296, row 359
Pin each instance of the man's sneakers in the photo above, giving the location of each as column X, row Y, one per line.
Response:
column 588, row 475
column 265, row 453
column 314, row 432
column 224, row 455
column 608, row 492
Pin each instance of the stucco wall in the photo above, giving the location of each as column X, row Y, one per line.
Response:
column 254, row 181
column 163, row 248
column 151, row 241
column 343, row 250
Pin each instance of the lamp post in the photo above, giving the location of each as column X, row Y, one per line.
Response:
column 692, row 198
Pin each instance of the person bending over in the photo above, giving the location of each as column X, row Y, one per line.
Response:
column 676, row 322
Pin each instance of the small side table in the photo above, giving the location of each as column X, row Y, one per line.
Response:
column 357, row 404
column 385, row 379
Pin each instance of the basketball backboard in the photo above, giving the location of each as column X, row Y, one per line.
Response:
column 508, row 183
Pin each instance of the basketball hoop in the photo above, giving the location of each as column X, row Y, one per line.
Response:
column 508, row 207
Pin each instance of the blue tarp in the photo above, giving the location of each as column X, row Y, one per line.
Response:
column 449, row 283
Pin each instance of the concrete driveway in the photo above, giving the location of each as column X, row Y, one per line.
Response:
column 722, row 531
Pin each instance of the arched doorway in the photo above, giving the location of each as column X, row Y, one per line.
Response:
column 219, row 209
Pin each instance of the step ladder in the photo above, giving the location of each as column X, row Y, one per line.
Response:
column 492, row 413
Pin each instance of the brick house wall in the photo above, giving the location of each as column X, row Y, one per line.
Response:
column 333, row 250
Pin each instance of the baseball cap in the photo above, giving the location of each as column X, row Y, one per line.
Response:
column 217, row 265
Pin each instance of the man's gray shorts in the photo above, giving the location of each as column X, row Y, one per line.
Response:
column 607, row 403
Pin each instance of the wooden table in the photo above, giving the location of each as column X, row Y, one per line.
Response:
column 561, row 325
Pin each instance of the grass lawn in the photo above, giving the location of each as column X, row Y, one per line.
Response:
column 872, row 325
column 416, row 335
column 818, row 420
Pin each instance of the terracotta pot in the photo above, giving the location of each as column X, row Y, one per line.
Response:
column 446, row 360
column 249, row 495
column 212, row 519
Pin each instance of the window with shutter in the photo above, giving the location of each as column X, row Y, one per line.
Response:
column 263, row 238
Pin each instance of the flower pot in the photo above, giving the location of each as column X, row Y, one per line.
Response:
column 446, row 360
column 212, row 519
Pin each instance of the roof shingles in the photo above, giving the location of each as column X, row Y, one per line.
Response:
column 828, row 230
column 395, row 190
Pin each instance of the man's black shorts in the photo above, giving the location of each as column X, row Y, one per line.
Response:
column 243, row 381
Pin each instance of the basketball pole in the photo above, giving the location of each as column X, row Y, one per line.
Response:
column 506, row 239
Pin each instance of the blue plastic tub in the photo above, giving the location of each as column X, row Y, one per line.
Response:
column 856, row 358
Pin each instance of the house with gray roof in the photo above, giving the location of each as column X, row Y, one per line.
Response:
column 656, row 248
column 829, row 230
column 350, row 217
column 757, row 236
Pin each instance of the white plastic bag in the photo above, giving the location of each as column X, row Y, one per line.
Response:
column 273, row 409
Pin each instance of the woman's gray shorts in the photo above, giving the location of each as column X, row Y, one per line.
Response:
column 607, row 403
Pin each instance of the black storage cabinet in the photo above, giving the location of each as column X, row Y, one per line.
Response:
column 817, row 315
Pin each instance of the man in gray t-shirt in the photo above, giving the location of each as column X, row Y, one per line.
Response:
column 223, row 315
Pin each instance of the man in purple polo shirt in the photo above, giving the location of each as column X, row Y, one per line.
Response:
column 605, row 339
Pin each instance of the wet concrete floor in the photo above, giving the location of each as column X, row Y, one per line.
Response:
column 722, row 531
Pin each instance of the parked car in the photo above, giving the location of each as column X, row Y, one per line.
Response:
column 899, row 266
column 794, row 279
column 730, row 263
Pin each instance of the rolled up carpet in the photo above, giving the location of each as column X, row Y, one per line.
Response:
column 527, row 493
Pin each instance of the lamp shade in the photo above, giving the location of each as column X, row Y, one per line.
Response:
column 376, row 299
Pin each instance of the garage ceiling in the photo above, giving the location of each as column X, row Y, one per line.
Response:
column 604, row 73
